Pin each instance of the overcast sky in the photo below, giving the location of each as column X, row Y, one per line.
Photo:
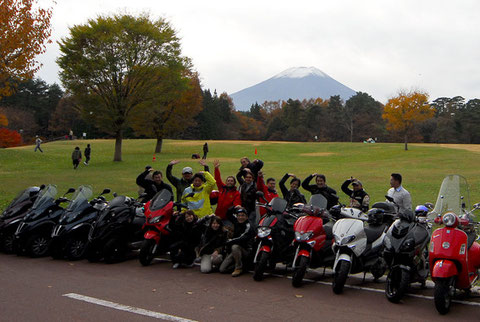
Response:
column 377, row 47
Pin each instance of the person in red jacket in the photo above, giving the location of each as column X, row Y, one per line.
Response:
column 268, row 190
column 228, row 194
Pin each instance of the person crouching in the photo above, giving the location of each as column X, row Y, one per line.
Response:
column 239, row 247
column 185, row 237
column 212, row 245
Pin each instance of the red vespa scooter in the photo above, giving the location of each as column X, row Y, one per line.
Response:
column 454, row 255
column 158, row 212
column 313, row 239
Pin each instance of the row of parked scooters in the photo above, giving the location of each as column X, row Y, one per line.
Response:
column 304, row 236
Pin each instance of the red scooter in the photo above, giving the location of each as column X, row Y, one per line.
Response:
column 313, row 238
column 454, row 255
column 158, row 212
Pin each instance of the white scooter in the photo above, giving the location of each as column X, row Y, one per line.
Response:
column 358, row 244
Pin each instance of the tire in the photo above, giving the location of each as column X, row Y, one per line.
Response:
column 341, row 275
column 442, row 295
column 75, row 248
column 114, row 251
column 300, row 270
column 260, row 266
column 146, row 252
column 37, row 245
column 397, row 284
column 7, row 243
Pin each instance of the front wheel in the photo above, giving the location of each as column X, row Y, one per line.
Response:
column 37, row 245
column 443, row 295
column 397, row 284
column 341, row 275
column 114, row 251
column 7, row 243
column 75, row 248
column 300, row 270
column 146, row 252
column 260, row 266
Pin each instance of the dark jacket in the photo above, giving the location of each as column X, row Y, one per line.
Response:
column 188, row 233
column 248, row 195
column 76, row 154
column 358, row 199
column 254, row 166
column 212, row 241
column 291, row 196
column 329, row 193
column 180, row 184
column 243, row 233
column 87, row 152
column 151, row 188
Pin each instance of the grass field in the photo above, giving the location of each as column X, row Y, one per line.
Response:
column 423, row 166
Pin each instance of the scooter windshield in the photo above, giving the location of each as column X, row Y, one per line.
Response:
column 318, row 201
column 278, row 205
column 80, row 198
column 21, row 197
column 160, row 200
column 46, row 197
column 453, row 196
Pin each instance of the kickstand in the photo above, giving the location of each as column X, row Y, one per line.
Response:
column 364, row 274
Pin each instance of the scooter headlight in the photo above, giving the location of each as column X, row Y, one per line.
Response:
column 155, row 220
column 263, row 232
column 301, row 237
column 449, row 219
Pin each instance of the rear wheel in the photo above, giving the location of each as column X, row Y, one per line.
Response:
column 260, row 266
column 341, row 275
column 397, row 284
column 114, row 251
column 300, row 270
column 443, row 295
column 146, row 252
column 75, row 248
column 37, row 245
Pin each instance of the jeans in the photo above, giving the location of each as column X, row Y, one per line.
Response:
column 234, row 259
column 208, row 262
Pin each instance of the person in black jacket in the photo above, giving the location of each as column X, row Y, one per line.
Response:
column 321, row 188
column 241, row 243
column 248, row 194
column 185, row 236
column 212, row 245
column 152, row 186
column 247, row 166
column 293, row 195
column 359, row 198
column 87, row 153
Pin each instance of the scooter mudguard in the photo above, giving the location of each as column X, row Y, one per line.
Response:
column 342, row 257
column 265, row 248
column 150, row 234
column 444, row 269
column 304, row 253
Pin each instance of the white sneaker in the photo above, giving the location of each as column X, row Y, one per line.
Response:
column 176, row 265
column 85, row 163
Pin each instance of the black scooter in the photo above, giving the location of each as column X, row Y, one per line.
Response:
column 405, row 251
column 33, row 234
column 117, row 230
column 13, row 214
column 70, row 235
column 274, row 237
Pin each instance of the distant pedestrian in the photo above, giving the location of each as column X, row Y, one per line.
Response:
column 205, row 150
column 70, row 135
column 87, row 152
column 38, row 141
column 76, row 157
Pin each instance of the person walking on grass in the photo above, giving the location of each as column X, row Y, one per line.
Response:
column 76, row 157
column 38, row 141
column 87, row 152
column 205, row 150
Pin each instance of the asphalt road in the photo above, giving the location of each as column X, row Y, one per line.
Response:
column 53, row 290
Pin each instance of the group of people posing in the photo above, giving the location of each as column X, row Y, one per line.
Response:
column 223, row 239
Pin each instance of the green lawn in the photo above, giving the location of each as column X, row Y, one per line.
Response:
column 423, row 167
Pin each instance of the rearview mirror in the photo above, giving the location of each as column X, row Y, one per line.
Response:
column 260, row 194
column 115, row 194
column 105, row 191
column 70, row 190
column 429, row 205
column 389, row 198
column 42, row 186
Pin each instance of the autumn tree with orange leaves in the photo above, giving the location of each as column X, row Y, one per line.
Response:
column 405, row 111
column 24, row 33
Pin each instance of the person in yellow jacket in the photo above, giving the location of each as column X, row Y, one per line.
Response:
column 197, row 195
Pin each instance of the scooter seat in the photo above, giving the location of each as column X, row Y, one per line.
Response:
column 374, row 232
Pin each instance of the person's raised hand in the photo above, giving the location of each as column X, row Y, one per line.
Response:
column 216, row 163
column 173, row 162
column 203, row 162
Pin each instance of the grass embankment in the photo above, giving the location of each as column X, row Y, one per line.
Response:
column 423, row 166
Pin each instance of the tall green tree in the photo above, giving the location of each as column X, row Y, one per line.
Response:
column 114, row 65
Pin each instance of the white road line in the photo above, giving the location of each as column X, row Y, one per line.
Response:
column 371, row 289
column 127, row 308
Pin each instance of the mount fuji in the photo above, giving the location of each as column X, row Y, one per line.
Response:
column 295, row 83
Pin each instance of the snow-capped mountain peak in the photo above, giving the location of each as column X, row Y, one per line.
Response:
column 300, row 72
